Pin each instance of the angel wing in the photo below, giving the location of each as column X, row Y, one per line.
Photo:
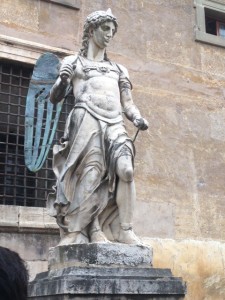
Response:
column 41, row 116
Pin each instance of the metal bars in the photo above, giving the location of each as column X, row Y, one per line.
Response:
column 19, row 186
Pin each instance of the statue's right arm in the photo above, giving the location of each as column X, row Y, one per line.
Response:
column 60, row 88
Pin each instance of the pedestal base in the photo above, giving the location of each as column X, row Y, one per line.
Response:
column 104, row 271
column 100, row 254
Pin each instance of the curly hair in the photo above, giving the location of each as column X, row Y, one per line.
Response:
column 13, row 276
column 94, row 20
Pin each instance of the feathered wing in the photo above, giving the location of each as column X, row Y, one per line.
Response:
column 41, row 116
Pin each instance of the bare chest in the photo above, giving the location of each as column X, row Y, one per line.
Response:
column 95, row 86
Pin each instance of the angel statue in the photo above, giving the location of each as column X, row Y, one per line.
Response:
column 95, row 193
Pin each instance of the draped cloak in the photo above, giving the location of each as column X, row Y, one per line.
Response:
column 89, row 146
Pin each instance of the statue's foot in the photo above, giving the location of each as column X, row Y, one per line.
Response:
column 81, row 239
column 73, row 238
column 98, row 237
column 128, row 237
column 68, row 239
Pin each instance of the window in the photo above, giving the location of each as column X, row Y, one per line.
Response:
column 210, row 22
column 214, row 22
column 19, row 186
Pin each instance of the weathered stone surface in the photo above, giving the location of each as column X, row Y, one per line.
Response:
column 49, row 222
column 107, row 281
column 109, row 297
column 158, row 215
column 30, row 246
column 18, row 218
column 15, row 17
column 39, row 24
column 31, row 218
column 101, row 254
column 199, row 263
column 9, row 216
column 35, row 267
column 93, row 270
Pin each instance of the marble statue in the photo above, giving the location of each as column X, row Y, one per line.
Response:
column 94, row 163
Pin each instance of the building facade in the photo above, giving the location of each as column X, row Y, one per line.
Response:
column 174, row 51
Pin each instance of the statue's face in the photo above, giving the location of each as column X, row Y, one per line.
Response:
column 103, row 34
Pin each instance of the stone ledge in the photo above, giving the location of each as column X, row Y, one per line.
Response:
column 9, row 216
column 94, row 271
column 27, row 51
column 26, row 219
column 74, row 4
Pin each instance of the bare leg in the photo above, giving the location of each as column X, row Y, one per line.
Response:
column 125, row 198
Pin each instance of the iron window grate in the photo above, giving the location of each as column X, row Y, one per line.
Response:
column 19, row 186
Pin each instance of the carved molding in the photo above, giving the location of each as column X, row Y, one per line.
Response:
column 74, row 4
column 26, row 51
column 26, row 219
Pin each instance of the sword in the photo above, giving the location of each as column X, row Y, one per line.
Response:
column 136, row 134
column 136, row 123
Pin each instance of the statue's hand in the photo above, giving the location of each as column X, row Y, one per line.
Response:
column 66, row 72
column 141, row 123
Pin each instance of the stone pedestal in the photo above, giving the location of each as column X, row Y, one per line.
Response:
column 104, row 271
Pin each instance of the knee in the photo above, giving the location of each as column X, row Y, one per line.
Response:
column 127, row 174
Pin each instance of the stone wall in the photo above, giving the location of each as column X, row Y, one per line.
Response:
column 30, row 232
column 179, row 87
column 199, row 262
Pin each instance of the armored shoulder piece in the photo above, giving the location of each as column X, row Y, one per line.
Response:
column 124, row 81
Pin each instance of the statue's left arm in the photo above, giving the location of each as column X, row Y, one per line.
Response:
column 131, row 111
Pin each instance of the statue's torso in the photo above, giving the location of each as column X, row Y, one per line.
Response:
column 95, row 86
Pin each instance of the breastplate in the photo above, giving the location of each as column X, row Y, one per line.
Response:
column 103, row 68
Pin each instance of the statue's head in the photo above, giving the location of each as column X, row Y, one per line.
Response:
column 93, row 21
